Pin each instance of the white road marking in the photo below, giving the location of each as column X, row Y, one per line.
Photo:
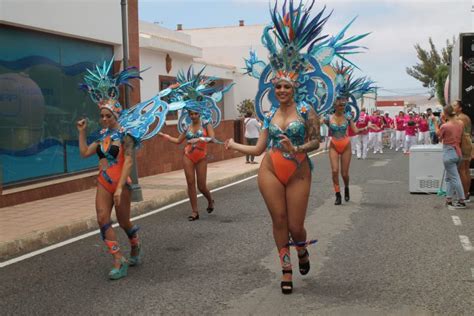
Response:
column 466, row 244
column 456, row 220
column 92, row 233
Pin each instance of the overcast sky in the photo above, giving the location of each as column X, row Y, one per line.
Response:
column 396, row 26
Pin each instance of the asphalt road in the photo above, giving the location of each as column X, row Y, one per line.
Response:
column 385, row 252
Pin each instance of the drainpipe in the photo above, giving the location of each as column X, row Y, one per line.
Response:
column 136, row 190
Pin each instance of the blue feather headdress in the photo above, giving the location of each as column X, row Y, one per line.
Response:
column 141, row 121
column 254, row 66
column 337, row 46
column 196, row 92
column 347, row 85
column 103, row 88
column 298, row 51
column 294, row 30
column 350, row 88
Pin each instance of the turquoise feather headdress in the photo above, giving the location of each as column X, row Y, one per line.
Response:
column 196, row 92
column 298, row 52
column 294, row 30
column 347, row 85
column 103, row 88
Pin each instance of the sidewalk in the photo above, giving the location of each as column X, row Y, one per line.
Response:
column 31, row 226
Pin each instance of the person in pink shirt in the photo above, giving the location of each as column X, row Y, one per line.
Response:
column 400, row 131
column 353, row 137
column 375, row 132
column 417, row 120
column 389, row 128
column 406, row 118
column 363, row 136
column 410, row 133
column 424, row 130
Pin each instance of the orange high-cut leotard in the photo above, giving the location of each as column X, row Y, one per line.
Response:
column 339, row 138
column 285, row 164
column 109, row 175
column 196, row 151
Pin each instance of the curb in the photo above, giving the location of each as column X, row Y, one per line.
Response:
column 39, row 239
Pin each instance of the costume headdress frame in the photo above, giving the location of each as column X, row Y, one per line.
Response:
column 196, row 92
column 298, row 55
column 141, row 121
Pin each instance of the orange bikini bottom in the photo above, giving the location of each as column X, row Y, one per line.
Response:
column 285, row 167
column 110, row 177
column 340, row 144
column 195, row 153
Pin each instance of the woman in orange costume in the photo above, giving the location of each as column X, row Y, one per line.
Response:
column 114, row 148
column 284, row 177
column 297, row 87
column 122, row 132
column 198, row 133
column 340, row 151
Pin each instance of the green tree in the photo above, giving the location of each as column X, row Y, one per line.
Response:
column 441, row 75
column 430, row 70
column 245, row 106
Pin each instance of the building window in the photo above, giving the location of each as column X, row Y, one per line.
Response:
column 40, row 103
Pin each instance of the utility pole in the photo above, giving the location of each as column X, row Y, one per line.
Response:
column 135, row 187
column 376, row 88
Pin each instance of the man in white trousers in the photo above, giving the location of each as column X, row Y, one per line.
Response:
column 362, row 140
column 353, row 137
column 423, row 130
column 389, row 127
column 411, row 130
column 400, row 131
column 375, row 132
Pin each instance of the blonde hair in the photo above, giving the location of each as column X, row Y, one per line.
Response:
column 448, row 110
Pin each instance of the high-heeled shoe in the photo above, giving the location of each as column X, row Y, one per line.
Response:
column 304, row 266
column 137, row 259
column 338, row 199
column 193, row 217
column 118, row 273
column 285, row 261
column 210, row 209
column 286, row 286
column 346, row 194
column 135, row 244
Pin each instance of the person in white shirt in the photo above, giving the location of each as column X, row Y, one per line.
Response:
column 324, row 131
column 252, row 131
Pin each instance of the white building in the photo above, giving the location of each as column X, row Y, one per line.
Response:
column 167, row 52
column 229, row 46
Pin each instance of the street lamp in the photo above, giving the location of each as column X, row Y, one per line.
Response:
column 135, row 187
